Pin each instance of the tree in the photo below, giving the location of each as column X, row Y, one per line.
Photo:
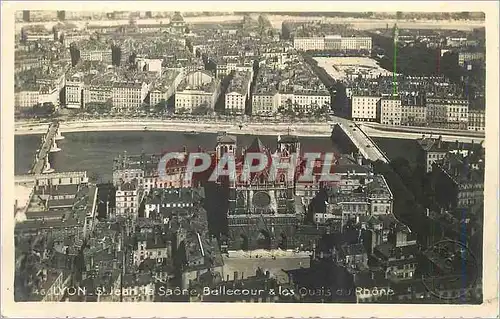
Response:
column 160, row 107
column 116, row 55
column 75, row 54
column 464, row 15
column 44, row 110
column 98, row 107
column 202, row 109
column 449, row 67
column 399, row 15
column 181, row 110
column 132, row 57
column 321, row 110
column 287, row 109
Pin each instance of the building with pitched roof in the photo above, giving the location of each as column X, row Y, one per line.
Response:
column 165, row 87
column 238, row 93
column 168, row 202
column 447, row 113
column 431, row 150
column 128, row 198
column 155, row 246
column 458, row 180
column 198, row 89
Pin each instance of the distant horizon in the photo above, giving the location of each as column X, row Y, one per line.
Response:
column 475, row 14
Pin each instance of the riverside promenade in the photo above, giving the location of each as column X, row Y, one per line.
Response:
column 319, row 129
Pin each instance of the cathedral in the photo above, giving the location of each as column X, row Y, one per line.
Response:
column 263, row 212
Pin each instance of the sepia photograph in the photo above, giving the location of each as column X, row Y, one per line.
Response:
column 260, row 154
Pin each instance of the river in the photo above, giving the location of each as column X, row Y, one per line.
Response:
column 95, row 151
column 276, row 21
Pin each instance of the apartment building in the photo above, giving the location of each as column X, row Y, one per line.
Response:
column 26, row 96
column 37, row 34
column 309, row 43
column 49, row 93
column 150, row 65
column 198, row 89
column 226, row 66
column 96, row 54
column 97, row 93
column 456, row 42
column 447, row 113
column 413, row 115
column 467, row 57
column 265, row 102
column 365, row 108
column 128, row 199
column 356, row 43
column 70, row 37
column 238, row 93
column 152, row 246
column 430, row 151
column 166, row 202
column 390, row 111
column 476, row 120
column 28, row 62
column 375, row 199
column 74, row 88
column 54, row 76
column 129, row 95
column 308, row 101
column 144, row 169
column 463, row 179
column 332, row 42
column 276, row 59
column 165, row 87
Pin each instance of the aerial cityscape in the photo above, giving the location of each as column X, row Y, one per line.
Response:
column 271, row 157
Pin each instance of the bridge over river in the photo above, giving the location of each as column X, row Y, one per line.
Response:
column 41, row 163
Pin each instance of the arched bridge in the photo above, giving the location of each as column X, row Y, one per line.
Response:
column 48, row 144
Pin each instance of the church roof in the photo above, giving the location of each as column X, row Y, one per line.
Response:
column 288, row 138
column 257, row 147
column 177, row 17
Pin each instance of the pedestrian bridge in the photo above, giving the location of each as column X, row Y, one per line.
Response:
column 48, row 144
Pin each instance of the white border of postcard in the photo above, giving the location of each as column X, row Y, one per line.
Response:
column 489, row 308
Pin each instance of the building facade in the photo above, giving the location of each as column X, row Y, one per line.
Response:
column 467, row 57
column 238, row 93
column 165, row 87
column 26, row 97
column 128, row 198
column 413, row 115
column 198, row 89
column 390, row 111
column 265, row 103
column 447, row 113
column 74, row 89
column 262, row 212
column 129, row 96
column 365, row 108
column 476, row 120
column 333, row 42
column 312, row 43
column 431, row 151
